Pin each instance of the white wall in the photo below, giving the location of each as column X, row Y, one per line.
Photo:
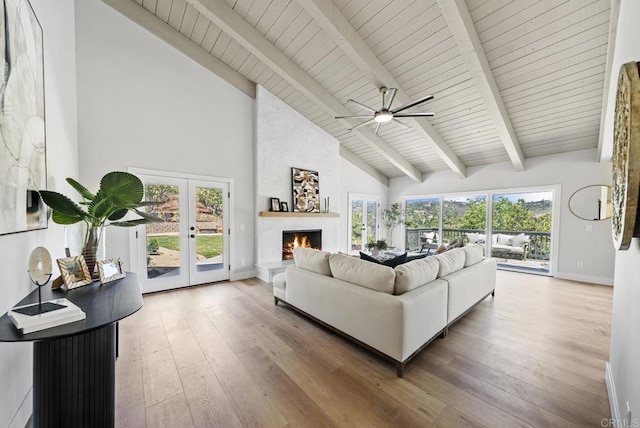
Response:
column 569, row 170
column 57, row 20
column 143, row 104
column 625, row 323
column 286, row 139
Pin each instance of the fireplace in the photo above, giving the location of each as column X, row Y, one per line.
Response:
column 300, row 238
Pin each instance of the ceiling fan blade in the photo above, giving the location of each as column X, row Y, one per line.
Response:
column 361, row 116
column 412, row 104
column 362, row 124
column 378, row 128
column 414, row 115
column 400, row 124
column 367, row 108
column 391, row 95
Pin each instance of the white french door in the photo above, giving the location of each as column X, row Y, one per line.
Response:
column 192, row 246
column 363, row 220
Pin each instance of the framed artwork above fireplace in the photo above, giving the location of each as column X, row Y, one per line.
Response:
column 306, row 190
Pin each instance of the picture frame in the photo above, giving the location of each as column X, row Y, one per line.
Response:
column 284, row 207
column 22, row 104
column 275, row 204
column 74, row 272
column 306, row 190
column 110, row 270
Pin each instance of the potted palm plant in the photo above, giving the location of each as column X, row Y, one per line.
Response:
column 119, row 193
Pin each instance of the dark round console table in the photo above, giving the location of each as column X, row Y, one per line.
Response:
column 74, row 365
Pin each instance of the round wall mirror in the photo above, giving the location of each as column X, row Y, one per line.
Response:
column 591, row 202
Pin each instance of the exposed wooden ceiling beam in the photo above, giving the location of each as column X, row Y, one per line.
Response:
column 220, row 14
column 329, row 17
column 605, row 149
column 170, row 35
column 461, row 25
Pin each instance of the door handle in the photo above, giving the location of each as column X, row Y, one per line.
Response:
column 192, row 236
column 192, row 228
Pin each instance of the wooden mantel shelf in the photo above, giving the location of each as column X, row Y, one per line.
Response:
column 290, row 214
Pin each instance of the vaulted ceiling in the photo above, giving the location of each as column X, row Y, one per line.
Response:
column 510, row 79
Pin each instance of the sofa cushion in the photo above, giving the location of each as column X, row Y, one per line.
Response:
column 503, row 239
column 473, row 254
column 362, row 273
column 508, row 249
column 473, row 237
column 519, row 240
column 312, row 260
column 415, row 274
column 450, row 261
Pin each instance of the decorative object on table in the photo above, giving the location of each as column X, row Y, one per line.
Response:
column 110, row 270
column 626, row 157
column 67, row 312
column 306, row 190
column 74, row 271
column 22, row 120
column 284, row 207
column 393, row 216
column 391, row 260
column 40, row 271
column 376, row 246
column 275, row 204
column 119, row 193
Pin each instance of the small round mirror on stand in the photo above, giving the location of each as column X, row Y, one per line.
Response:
column 591, row 202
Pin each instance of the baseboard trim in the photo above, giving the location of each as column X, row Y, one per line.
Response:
column 22, row 416
column 246, row 274
column 601, row 280
column 613, row 398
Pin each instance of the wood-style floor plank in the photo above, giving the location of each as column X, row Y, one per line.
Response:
column 225, row 355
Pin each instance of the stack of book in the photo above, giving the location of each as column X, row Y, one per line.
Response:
column 40, row 321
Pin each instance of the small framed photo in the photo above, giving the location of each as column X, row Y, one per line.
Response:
column 110, row 270
column 74, row 271
column 284, row 207
column 275, row 204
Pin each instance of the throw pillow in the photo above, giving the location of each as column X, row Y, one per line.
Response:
column 368, row 258
column 504, row 239
column 518, row 240
column 396, row 261
column 473, row 237
column 441, row 249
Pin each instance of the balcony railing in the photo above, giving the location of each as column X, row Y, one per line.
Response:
column 539, row 244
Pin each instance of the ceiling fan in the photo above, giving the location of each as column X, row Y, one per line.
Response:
column 386, row 114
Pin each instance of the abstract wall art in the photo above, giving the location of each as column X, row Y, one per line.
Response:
column 306, row 190
column 22, row 122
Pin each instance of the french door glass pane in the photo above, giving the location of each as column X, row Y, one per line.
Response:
column 163, row 239
column 463, row 215
column 356, row 224
column 372, row 212
column 209, row 228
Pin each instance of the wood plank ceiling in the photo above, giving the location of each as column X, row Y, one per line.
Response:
column 546, row 59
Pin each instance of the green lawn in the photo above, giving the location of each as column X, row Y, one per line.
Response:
column 206, row 245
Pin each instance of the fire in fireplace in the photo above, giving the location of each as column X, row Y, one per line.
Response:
column 300, row 238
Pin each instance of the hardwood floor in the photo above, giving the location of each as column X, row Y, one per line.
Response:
column 225, row 355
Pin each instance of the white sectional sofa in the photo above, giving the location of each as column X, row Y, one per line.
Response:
column 393, row 312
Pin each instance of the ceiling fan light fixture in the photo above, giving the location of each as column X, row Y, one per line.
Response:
column 383, row 116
